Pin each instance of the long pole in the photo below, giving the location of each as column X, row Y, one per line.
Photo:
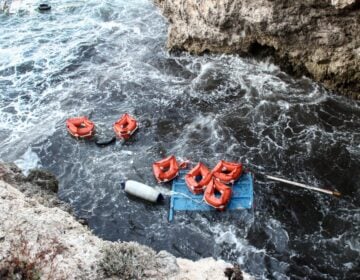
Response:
column 303, row 185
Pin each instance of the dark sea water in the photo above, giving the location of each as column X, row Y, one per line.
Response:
column 105, row 58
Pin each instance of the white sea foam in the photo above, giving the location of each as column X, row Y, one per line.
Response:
column 277, row 235
column 29, row 160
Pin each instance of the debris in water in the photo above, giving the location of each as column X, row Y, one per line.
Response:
column 44, row 7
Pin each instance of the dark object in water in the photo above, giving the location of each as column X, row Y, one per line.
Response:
column 44, row 7
column 104, row 140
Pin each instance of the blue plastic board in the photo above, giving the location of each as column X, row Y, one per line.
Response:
column 183, row 200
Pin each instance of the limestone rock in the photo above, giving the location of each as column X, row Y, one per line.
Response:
column 320, row 39
column 39, row 184
column 340, row 4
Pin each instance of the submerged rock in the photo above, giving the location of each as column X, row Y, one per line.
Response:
column 319, row 39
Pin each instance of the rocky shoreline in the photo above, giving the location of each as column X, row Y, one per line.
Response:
column 318, row 39
column 40, row 239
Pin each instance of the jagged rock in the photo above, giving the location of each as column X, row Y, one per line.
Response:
column 165, row 262
column 11, row 173
column 317, row 38
column 82, row 221
column 39, row 184
column 46, row 240
column 44, row 179
column 234, row 273
column 340, row 4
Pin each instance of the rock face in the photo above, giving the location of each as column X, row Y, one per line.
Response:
column 41, row 241
column 317, row 38
column 39, row 184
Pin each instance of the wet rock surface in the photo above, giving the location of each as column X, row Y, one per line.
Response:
column 319, row 39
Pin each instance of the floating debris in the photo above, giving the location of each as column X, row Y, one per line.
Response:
column 44, row 7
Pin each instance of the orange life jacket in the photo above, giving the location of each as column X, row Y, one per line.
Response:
column 80, row 127
column 191, row 178
column 214, row 201
column 125, row 126
column 166, row 169
column 227, row 172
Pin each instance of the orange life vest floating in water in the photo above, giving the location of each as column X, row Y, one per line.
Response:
column 80, row 127
column 197, row 178
column 166, row 169
column 125, row 126
column 212, row 199
column 227, row 172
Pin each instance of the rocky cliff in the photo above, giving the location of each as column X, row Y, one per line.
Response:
column 316, row 38
column 40, row 239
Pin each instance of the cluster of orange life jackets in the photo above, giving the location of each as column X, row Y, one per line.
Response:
column 82, row 127
column 200, row 180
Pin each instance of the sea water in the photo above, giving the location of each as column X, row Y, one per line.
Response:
column 104, row 58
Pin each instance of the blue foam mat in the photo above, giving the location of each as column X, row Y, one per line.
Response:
column 183, row 200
